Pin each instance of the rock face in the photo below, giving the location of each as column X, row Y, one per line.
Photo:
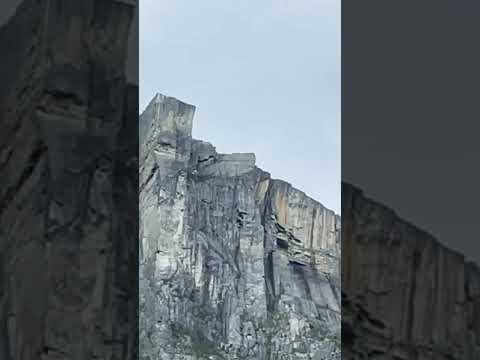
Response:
column 404, row 295
column 68, row 170
column 233, row 264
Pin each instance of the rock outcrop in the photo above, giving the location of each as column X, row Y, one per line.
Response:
column 404, row 295
column 233, row 264
column 68, row 170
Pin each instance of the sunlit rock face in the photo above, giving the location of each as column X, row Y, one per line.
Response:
column 404, row 295
column 233, row 264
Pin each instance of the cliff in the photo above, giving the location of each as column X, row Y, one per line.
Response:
column 68, row 169
column 233, row 264
column 404, row 295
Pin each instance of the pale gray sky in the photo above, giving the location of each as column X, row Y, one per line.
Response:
column 264, row 76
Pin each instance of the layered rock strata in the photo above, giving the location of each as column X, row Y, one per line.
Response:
column 404, row 295
column 69, row 183
column 233, row 264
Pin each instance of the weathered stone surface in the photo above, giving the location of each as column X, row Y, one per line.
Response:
column 233, row 264
column 68, row 230
column 404, row 295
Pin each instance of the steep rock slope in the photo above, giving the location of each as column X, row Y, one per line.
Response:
column 68, row 170
column 404, row 295
column 233, row 264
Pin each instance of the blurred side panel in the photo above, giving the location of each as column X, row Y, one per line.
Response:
column 68, row 182
column 410, row 255
column 405, row 295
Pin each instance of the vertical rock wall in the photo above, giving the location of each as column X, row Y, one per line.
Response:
column 404, row 295
column 68, row 181
column 233, row 264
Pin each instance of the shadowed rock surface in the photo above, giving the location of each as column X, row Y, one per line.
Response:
column 233, row 264
column 68, row 170
column 404, row 295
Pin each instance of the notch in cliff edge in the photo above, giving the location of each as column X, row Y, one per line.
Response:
column 167, row 122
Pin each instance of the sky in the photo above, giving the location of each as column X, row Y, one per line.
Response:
column 264, row 76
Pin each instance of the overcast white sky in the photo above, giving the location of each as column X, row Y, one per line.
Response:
column 264, row 76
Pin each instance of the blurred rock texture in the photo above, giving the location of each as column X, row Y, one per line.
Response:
column 69, row 180
column 233, row 264
column 404, row 295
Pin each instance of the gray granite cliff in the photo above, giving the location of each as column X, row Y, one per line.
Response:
column 233, row 264
column 405, row 296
